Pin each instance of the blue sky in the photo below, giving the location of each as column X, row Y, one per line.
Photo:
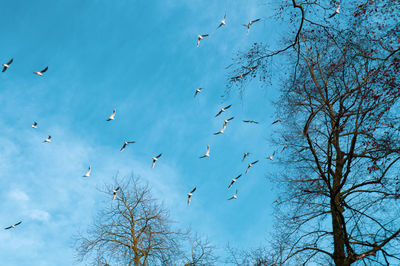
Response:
column 139, row 57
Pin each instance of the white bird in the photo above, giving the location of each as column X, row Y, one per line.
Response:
column 234, row 180
column 223, row 22
column 155, row 159
column 272, row 156
column 190, row 194
column 40, row 73
column 336, row 11
column 200, row 37
column 207, row 154
column 223, row 110
column 88, row 172
column 112, row 116
column 126, row 144
column 234, row 196
column 34, row 125
column 226, row 121
column 115, row 193
column 197, row 91
column 250, row 165
column 48, row 139
column 13, row 226
column 5, row 66
column 250, row 23
column 221, row 131
column 245, row 155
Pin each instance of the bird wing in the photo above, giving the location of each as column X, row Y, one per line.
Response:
column 208, row 149
column 49, row 137
column 238, row 176
column 154, row 162
column 44, row 70
column 158, row 156
column 193, row 190
column 8, row 228
column 231, row 184
column 123, row 147
column 254, row 162
column 220, row 111
column 117, row 189
column 9, row 63
column 204, row 35
column 4, row 69
column 229, row 119
column 255, row 20
column 18, row 223
column 228, row 106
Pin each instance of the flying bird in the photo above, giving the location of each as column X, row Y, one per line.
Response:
column 250, row 121
column 234, row 180
column 197, row 91
column 88, row 172
column 115, row 193
column 5, row 66
column 48, row 139
column 226, row 121
column 223, row 22
column 190, row 194
column 155, row 159
column 245, row 155
column 336, row 11
column 250, row 165
column 207, row 154
column 234, row 196
column 276, row 121
column 34, row 125
column 126, row 144
column 40, row 73
column 112, row 116
column 13, row 226
column 250, row 23
column 200, row 37
column 221, row 131
column 223, row 110
column 272, row 156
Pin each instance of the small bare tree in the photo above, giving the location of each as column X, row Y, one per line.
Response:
column 201, row 252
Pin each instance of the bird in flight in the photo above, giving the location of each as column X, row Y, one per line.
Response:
column 126, row 144
column 250, row 23
column 40, row 73
column 245, row 155
column 250, row 121
column 226, row 121
column 197, row 91
column 221, row 131
column 207, row 154
column 13, row 226
column 234, row 196
column 234, row 180
column 112, row 116
column 155, row 159
column 223, row 22
column 223, row 110
column 5, row 66
column 336, row 11
column 250, row 165
column 115, row 193
column 88, row 172
column 200, row 37
column 48, row 139
column 190, row 194
column 276, row 121
column 272, row 156
column 34, row 125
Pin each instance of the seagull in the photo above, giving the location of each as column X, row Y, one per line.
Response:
column 200, row 37
column 336, row 11
column 234, row 196
column 245, row 155
column 250, row 165
column 221, row 131
column 197, row 91
column 207, row 154
column 223, row 22
column 250, row 23
column 272, row 156
column 234, row 180
column 5, row 66
column 223, row 110
column 276, row 121
column 34, row 125
column 115, row 193
column 48, row 139
column 126, row 144
column 155, row 160
column 250, row 121
column 190, row 195
column 112, row 116
column 226, row 121
column 88, row 172
column 13, row 226
column 41, row 72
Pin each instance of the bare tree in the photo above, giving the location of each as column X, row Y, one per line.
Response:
column 132, row 229
column 201, row 252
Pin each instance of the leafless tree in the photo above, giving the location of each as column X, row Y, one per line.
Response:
column 202, row 252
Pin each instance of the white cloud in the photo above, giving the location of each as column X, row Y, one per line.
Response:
column 18, row 195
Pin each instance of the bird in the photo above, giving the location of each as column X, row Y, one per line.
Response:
column 34, row 125
column 234, row 196
column 226, row 121
column 48, row 139
column 115, row 193
column 197, row 91
column 245, row 155
column 223, row 110
column 40, row 73
column 126, row 144
column 207, row 154
column 223, row 22
column 13, row 226
column 155, row 159
column 112, row 116
column 221, row 131
column 234, row 180
column 88, row 172
column 250, row 23
column 250, row 121
column 5, row 66
column 336, row 11
column 272, row 156
column 276, row 121
column 190, row 195
column 200, row 37
column 284, row 147
column 250, row 165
